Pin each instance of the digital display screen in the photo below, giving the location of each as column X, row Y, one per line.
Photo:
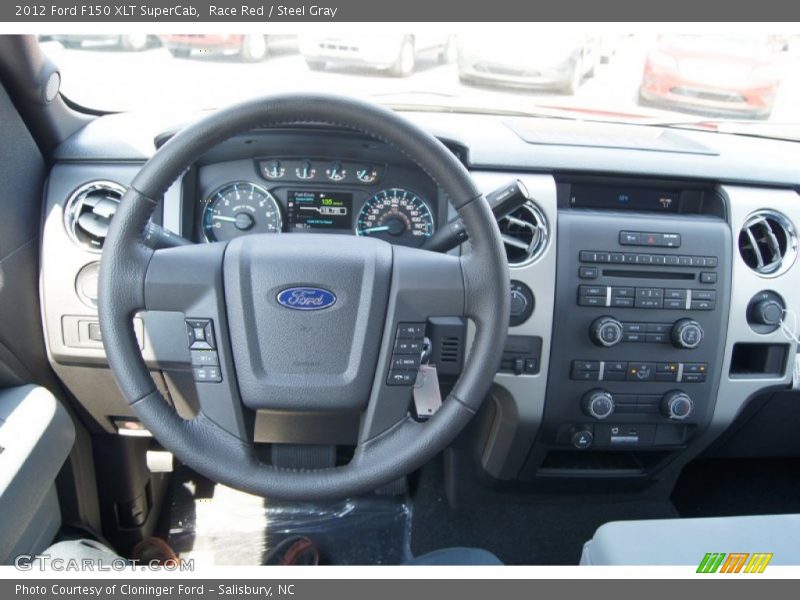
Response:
column 586, row 196
column 319, row 211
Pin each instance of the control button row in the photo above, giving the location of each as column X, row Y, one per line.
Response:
column 668, row 260
column 598, row 370
column 202, row 347
column 641, row 238
column 406, row 354
column 658, row 298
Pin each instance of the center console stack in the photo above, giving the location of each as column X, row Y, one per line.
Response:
column 640, row 318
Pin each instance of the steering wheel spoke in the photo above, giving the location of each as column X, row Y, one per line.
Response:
column 188, row 280
column 424, row 285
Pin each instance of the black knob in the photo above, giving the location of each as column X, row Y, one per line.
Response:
column 676, row 405
column 582, row 438
column 768, row 312
column 606, row 331
column 598, row 404
column 687, row 333
column 522, row 303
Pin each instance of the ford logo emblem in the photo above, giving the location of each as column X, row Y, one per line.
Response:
column 306, row 298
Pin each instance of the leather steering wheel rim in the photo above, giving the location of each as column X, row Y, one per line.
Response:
column 202, row 443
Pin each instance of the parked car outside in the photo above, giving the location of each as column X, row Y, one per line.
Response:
column 542, row 63
column 396, row 54
column 723, row 76
column 249, row 48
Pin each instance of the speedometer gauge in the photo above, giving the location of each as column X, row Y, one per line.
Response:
column 397, row 216
column 238, row 208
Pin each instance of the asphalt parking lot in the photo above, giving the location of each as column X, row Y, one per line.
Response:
column 109, row 78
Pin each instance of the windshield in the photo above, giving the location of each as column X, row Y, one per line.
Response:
column 725, row 83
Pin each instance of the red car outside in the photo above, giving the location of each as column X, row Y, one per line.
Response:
column 718, row 76
column 250, row 47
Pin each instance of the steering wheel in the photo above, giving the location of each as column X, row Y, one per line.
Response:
column 367, row 296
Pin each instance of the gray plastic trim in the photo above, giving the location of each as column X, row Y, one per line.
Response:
column 519, row 399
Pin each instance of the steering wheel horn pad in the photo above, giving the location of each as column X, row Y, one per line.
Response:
column 273, row 356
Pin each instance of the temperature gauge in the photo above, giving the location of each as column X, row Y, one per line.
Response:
column 367, row 174
column 336, row 172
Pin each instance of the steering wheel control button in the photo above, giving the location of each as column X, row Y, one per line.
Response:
column 200, row 333
column 414, row 331
column 522, row 303
column 677, row 405
column 582, row 439
column 598, row 404
column 687, row 334
column 606, row 331
column 204, row 358
column 207, row 374
column 408, row 347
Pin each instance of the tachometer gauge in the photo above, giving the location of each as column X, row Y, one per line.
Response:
column 397, row 216
column 239, row 208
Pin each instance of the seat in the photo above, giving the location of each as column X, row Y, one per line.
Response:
column 687, row 541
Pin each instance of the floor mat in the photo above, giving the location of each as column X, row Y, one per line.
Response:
column 741, row 486
column 521, row 531
column 217, row 525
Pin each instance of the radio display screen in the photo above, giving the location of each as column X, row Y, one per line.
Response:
column 319, row 211
column 627, row 198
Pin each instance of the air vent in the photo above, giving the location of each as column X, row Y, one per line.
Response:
column 524, row 234
column 88, row 213
column 451, row 350
column 768, row 243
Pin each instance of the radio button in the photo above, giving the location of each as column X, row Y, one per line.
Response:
column 702, row 305
column 616, row 257
column 673, row 294
column 630, row 238
column 708, row 278
column 673, row 261
column 675, row 304
column 591, row 301
column 704, row 295
column 592, row 290
column 620, row 292
column 588, row 272
column 622, row 302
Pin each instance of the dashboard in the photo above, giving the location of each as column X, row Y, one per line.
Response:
column 648, row 283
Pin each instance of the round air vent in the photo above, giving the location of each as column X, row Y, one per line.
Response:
column 88, row 213
column 768, row 243
column 524, row 233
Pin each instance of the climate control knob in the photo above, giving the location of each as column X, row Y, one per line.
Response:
column 687, row 333
column 598, row 404
column 676, row 405
column 606, row 331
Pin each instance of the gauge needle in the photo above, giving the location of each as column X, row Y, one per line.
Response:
column 221, row 218
column 375, row 229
